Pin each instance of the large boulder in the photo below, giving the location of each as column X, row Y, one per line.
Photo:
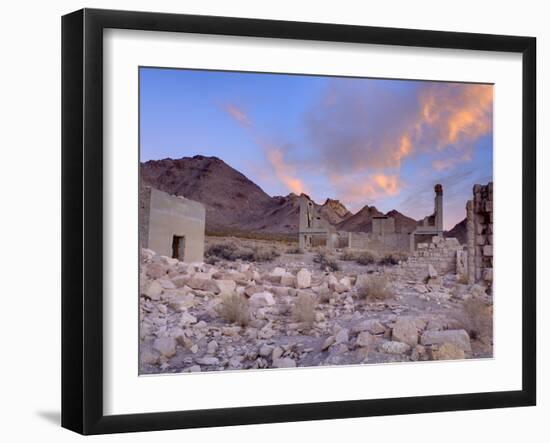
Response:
column 372, row 325
column 287, row 279
column 303, row 279
column 394, row 347
column 261, row 299
column 364, row 339
column 225, row 286
column 341, row 336
column 405, row 331
column 166, row 346
column 153, row 290
column 448, row 351
column 457, row 337
column 203, row 284
column 284, row 363
column 156, row 270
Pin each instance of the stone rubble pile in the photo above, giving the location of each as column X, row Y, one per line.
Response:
column 183, row 328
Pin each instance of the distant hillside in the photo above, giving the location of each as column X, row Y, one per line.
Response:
column 236, row 204
column 360, row 222
column 459, row 231
column 403, row 223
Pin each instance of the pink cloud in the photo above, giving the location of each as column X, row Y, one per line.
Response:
column 356, row 190
column 285, row 172
column 237, row 114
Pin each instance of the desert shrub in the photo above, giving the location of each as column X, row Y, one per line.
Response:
column 391, row 259
column 325, row 295
column 264, row 254
column 477, row 319
column 234, row 309
column 348, row 255
column 294, row 250
column 303, row 310
column 366, row 258
column 376, row 287
column 231, row 252
column 326, row 262
column 226, row 251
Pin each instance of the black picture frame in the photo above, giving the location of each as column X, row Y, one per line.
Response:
column 82, row 215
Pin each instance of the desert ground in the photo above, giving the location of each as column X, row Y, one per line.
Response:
column 256, row 304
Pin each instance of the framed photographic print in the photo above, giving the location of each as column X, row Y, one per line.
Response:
column 269, row 221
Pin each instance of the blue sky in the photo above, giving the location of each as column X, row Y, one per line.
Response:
column 362, row 141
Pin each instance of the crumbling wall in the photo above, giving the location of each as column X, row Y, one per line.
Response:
column 441, row 253
column 479, row 212
column 379, row 243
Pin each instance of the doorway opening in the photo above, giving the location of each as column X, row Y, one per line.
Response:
column 178, row 247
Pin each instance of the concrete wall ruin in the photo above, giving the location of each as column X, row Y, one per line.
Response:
column 313, row 225
column 433, row 224
column 441, row 253
column 171, row 226
column 479, row 214
column 383, row 225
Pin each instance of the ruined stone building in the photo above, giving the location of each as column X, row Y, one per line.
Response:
column 479, row 215
column 474, row 261
column 384, row 235
column 431, row 225
column 170, row 225
column 312, row 226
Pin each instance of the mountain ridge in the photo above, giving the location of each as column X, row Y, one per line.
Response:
column 234, row 202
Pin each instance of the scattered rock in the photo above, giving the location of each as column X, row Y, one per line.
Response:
column 404, row 330
column 372, row 325
column 265, row 350
column 287, row 279
column 341, row 336
column 225, row 287
column 166, row 346
column 364, row 339
column 284, row 363
column 458, row 337
column 212, row 347
column 262, row 299
column 149, row 358
column 156, row 270
column 208, row 361
column 448, row 351
column 303, row 279
column 277, row 353
column 203, row 284
column 153, row 291
column 394, row 347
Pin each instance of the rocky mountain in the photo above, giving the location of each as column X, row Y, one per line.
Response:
column 459, row 231
column 230, row 198
column 403, row 223
column 334, row 212
column 236, row 204
column 361, row 221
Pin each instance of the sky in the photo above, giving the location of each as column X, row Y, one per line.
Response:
column 362, row 141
